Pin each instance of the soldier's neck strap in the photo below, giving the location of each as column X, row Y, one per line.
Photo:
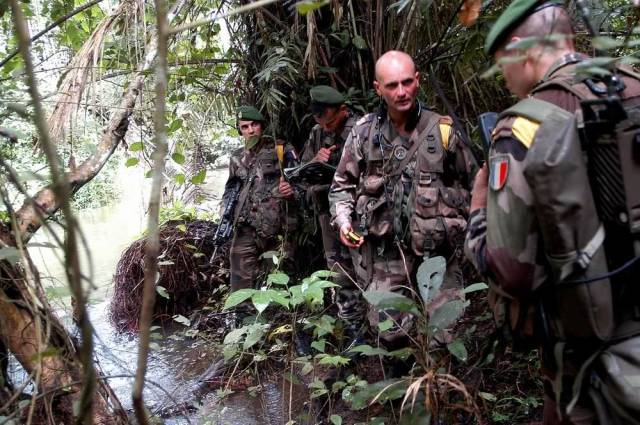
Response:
column 568, row 59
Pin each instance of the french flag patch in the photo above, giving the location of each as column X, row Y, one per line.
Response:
column 498, row 171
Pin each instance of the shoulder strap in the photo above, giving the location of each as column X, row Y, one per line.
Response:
column 417, row 141
column 534, row 109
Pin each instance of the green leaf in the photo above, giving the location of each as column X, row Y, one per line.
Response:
column 430, row 276
column 278, row 278
column 235, row 336
column 261, row 300
column 306, row 6
column 458, row 349
column 487, row 396
column 319, row 345
column 332, row 360
column 324, row 274
column 182, row 228
column 237, row 297
column 390, row 389
column 480, row 286
column 174, row 126
column 402, row 353
column 180, row 179
column 136, row 147
column 335, row 419
column 130, row 162
column 182, row 320
column 606, row 43
column 278, row 297
column 199, row 177
column 386, row 325
column 178, row 158
column 162, row 291
column 306, row 369
column 254, row 334
column 229, row 352
column 359, row 43
column 445, row 315
column 367, row 350
column 385, row 300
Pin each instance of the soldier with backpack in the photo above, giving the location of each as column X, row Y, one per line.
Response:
column 557, row 243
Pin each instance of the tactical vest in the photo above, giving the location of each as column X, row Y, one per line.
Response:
column 578, row 302
column 261, row 205
column 402, row 194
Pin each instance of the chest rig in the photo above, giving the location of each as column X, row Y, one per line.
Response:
column 402, row 195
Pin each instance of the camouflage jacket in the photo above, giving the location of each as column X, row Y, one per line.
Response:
column 504, row 241
column 413, row 188
column 318, row 139
column 260, row 203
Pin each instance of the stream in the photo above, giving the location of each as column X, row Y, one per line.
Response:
column 175, row 364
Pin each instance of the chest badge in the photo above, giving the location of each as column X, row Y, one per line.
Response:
column 499, row 171
column 400, row 152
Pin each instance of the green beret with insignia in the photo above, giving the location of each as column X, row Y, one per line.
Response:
column 512, row 16
column 323, row 97
column 249, row 113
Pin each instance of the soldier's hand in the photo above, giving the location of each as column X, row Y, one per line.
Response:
column 344, row 230
column 480, row 187
column 285, row 188
column 324, row 153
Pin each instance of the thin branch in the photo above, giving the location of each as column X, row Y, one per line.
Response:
column 61, row 188
column 236, row 11
column 152, row 248
column 55, row 24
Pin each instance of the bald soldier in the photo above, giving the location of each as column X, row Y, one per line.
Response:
column 334, row 121
column 402, row 184
column 266, row 212
column 509, row 240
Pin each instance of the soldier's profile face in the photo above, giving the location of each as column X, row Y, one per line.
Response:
column 249, row 129
column 397, row 82
column 516, row 71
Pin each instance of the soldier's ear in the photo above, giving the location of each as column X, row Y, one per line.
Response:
column 376, row 86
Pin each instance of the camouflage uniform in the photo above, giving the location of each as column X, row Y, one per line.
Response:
column 335, row 252
column 504, row 241
column 407, row 195
column 262, row 214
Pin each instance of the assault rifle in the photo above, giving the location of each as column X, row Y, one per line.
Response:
column 225, row 226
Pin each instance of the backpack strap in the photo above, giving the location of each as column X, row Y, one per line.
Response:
column 533, row 109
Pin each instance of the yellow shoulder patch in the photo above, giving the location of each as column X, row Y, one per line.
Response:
column 525, row 130
column 445, row 130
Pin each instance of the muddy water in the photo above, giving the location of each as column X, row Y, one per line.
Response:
column 174, row 364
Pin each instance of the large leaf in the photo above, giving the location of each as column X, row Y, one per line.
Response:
column 458, row 349
column 235, row 335
column 446, row 314
column 261, row 300
column 386, row 300
column 254, row 334
column 430, row 277
column 367, row 350
column 390, row 389
column 237, row 297
column 278, row 278
column 306, row 6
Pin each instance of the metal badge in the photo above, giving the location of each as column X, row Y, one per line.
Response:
column 400, row 152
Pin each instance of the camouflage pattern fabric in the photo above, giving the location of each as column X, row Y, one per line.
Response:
column 261, row 211
column 373, row 193
column 336, row 254
column 504, row 243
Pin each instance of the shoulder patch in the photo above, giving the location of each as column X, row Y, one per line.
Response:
column 498, row 171
column 445, row 133
column 525, row 130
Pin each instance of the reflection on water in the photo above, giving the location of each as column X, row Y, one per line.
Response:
column 175, row 364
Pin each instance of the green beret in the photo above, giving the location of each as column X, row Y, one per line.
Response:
column 513, row 15
column 326, row 95
column 249, row 113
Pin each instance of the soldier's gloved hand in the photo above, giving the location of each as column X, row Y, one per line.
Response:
column 285, row 188
column 324, row 153
column 344, row 230
column 480, row 186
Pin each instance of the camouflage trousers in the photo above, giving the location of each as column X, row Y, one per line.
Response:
column 246, row 264
column 382, row 265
